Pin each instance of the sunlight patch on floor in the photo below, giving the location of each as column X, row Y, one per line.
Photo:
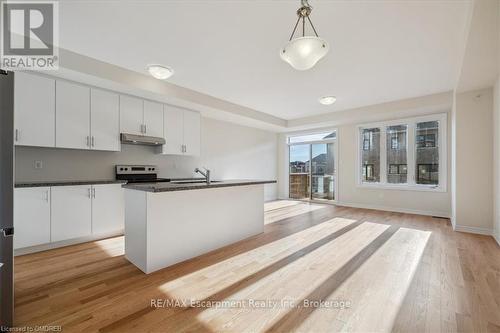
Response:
column 277, row 204
column 376, row 290
column 292, row 282
column 209, row 280
column 296, row 209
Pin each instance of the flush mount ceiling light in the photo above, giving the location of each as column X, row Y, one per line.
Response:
column 304, row 52
column 328, row 100
column 160, row 72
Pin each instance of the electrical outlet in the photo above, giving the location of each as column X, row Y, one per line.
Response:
column 38, row 164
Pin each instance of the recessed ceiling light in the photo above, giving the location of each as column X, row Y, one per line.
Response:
column 328, row 100
column 160, row 72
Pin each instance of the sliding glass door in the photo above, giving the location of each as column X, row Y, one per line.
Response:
column 312, row 167
column 322, row 171
column 299, row 171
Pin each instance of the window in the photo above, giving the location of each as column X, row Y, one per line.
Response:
column 367, row 140
column 394, row 142
column 398, row 169
column 427, row 153
column 428, row 174
column 396, row 153
column 397, row 135
column 407, row 153
column 426, row 140
column 403, row 169
column 393, row 169
column 370, row 156
column 368, row 172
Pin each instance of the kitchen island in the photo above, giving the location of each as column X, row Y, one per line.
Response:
column 166, row 223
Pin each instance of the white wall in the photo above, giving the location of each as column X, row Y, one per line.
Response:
column 496, row 160
column 496, row 144
column 428, row 203
column 473, row 161
column 349, row 194
column 230, row 151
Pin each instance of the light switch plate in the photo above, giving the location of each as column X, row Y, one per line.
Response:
column 38, row 164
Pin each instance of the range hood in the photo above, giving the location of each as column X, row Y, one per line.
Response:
column 141, row 140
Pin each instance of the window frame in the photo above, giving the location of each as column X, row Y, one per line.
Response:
column 441, row 141
column 335, row 141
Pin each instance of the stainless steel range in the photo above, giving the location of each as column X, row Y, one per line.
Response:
column 138, row 174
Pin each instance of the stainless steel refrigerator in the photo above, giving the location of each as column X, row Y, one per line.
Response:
column 6, row 199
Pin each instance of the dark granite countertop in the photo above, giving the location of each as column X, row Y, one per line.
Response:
column 169, row 187
column 67, row 183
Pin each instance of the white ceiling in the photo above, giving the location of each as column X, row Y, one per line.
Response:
column 379, row 50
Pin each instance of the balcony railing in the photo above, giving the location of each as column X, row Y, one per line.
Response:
column 299, row 185
column 323, row 186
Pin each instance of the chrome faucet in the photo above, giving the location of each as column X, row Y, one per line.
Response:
column 205, row 174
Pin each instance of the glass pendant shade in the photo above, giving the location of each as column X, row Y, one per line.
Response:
column 303, row 53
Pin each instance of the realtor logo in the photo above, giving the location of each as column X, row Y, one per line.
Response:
column 29, row 33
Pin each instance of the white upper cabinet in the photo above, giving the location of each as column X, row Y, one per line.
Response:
column 192, row 128
column 34, row 105
column 72, row 115
column 131, row 115
column 174, row 130
column 71, row 212
column 105, row 120
column 182, row 131
column 108, row 208
column 153, row 119
column 31, row 216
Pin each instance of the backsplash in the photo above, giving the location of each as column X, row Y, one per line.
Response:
column 69, row 164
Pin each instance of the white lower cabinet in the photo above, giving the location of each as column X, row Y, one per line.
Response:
column 31, row 216
column 51, row 214
column 108, row 208
column 71, row 212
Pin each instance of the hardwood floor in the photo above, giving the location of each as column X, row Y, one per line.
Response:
column 367, row 271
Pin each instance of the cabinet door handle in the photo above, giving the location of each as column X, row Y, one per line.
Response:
column 145, row 129
column 87, row 141
column 16, row 135
column 46, row 196
column 93, row 141
column 89, row 193
column 93, row 193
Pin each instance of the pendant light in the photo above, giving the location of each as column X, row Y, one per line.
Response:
column 304, row 52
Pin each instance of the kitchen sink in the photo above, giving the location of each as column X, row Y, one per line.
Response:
column 190, row 181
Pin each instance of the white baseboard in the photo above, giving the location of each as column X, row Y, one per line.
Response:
column 473, row 230
column 394, row 209
column 496, row 235
column 461, row 228
column 55, row 245
column 383, row 208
